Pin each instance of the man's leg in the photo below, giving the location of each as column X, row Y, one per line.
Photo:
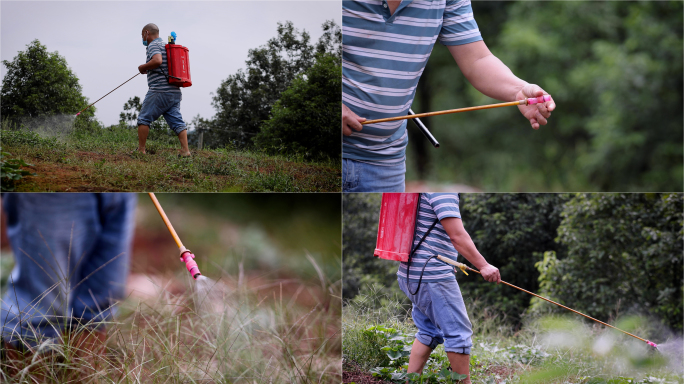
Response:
column 149, row 112
column 420, row 353
column 183, row 138
column 175, row 120
column 143, row 131
column 460, row 363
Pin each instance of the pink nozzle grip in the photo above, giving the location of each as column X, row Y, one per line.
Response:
column 190, row 264
column 540, row 99
column 652, row 344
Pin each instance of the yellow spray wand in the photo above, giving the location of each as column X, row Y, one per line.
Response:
column 464, row 267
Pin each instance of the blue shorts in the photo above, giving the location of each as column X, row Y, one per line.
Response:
column 72, row 253
column 358, row 176
column 440, row 315
column 162, row 103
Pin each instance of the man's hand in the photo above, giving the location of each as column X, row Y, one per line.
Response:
column 141, row 70
column 350, row 120
column 537, row 113
column 491, row 273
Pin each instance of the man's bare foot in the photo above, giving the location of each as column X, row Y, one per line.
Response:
column 186, row 154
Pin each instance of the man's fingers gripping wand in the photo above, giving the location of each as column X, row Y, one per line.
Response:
column 185, row 255
column 464, row 267
column 529, row 101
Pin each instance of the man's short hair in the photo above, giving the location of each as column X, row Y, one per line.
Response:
column 152, row 28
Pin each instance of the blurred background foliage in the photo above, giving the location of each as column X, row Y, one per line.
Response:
column 605, row 254
column 268, row 233
column 615, row 72
column 264, row 235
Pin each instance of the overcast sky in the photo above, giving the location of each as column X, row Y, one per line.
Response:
column 102, row 44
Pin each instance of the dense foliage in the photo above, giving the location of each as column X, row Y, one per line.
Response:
column 598, row 253
column 624, row 253
column 615, row 72
column 305, row 120
column 244, row 100
column 40, row 83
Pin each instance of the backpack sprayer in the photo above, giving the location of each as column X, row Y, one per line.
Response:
column 185, row 255
column 396, row 237
column 416, row 116
column 178, row 63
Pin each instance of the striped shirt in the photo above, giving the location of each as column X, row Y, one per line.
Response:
column 156, row 81
column 433, row 206
column 383, row 58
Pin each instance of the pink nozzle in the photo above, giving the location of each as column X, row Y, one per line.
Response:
column 652, row 344
column 190, row 264
column 540, row 99
column 78, row 113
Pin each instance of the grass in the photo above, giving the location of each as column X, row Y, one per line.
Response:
column 545, row 350
column 272, row 315
column 228, row 332
column 101, row 161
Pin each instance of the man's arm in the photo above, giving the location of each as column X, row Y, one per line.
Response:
column 465, row 246
column 493, row 78
column 154, row 63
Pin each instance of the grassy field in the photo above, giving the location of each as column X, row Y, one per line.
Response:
column 101, row 161
column 270, row 313
column 378, row 332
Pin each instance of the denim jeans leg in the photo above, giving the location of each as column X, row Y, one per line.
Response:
column 57, row 241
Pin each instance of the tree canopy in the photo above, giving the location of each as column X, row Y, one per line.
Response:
column 243, row 101
column 40, row 83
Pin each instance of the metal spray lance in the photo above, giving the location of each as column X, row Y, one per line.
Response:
column 185, row 255
column 464, row 267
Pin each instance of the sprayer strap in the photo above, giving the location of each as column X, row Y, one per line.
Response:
column 408, row 267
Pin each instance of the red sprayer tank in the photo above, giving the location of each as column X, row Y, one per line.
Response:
column 397, row 225
column 178, row 61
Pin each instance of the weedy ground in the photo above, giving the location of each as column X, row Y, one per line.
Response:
column 101, row 160
column 271, row 314
column 378, row 333
column 229, row 332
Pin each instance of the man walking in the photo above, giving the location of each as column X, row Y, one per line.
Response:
column 386, row 46
column 438, row 308
column 162, row 98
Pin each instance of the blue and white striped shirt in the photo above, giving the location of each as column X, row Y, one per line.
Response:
column 155, row 80
column 383, row 58
column 433, row 206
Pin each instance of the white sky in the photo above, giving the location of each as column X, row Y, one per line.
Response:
column 102, row 44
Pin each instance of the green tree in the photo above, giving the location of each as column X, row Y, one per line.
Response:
column 511, row 231
column 306, row 118
column 623, row 250
column 129, row 116
column 40, row 83
column 244, row 100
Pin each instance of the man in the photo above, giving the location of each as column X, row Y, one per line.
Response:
column 386, row 46
column 438, row 309
column 72, row 253
column 162, row 98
